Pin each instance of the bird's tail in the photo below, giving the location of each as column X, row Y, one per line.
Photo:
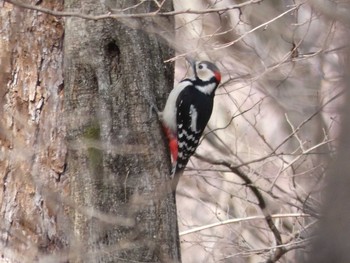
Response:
column 176, row 173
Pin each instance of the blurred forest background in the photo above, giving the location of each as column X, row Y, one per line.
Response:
column 253, row 191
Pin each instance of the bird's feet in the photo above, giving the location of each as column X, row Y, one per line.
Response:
column 153, row 109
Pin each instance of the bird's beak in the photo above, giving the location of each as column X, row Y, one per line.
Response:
column 191, row 61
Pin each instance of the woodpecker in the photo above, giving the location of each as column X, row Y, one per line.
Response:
column 188, row 110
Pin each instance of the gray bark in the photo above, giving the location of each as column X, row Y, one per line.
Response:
column 116, row 165
column 331, row 241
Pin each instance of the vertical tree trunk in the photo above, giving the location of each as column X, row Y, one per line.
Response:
column 115, row 162
column 32, row 150
column 82, row 173
column 331, row 242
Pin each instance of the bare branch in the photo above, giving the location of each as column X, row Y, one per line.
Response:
column 261, row 203
column 123, row 15
column 258, row 27
column 273, row 153
column 239, row 220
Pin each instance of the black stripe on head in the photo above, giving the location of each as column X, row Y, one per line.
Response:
column 192, row 63
column 211, row 66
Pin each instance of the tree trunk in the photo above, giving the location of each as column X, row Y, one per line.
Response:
column 331, row 241
column 115, row 162
column 32, row 150
column 83, row 174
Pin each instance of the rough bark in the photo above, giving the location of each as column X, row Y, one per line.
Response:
column 115, row 161
column 32, row 150
column 82, row 168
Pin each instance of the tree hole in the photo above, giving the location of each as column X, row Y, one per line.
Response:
column 113, row 50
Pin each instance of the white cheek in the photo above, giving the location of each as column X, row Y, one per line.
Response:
column 204, row 75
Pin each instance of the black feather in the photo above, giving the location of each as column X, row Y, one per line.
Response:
column 191, row 101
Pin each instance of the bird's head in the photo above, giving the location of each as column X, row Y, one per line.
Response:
column 205, row 70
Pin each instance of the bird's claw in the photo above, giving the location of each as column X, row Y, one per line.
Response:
column 153, row 108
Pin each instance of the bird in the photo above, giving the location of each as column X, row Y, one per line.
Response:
column 187, row 111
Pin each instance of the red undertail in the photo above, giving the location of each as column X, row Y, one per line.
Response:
column 172, row 143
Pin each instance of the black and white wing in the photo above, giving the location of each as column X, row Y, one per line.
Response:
column 193, row 112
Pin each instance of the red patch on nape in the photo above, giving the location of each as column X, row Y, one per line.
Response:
column 217, row 76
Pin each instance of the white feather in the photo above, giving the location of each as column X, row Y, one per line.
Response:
column 169, row 112
column 207, row 89
column 194, row 117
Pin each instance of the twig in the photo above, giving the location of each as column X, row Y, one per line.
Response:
column 273, row 153
column 123, row 15
column 261, row 203
column 231, row 119
column 288, row 247
column 258, row 27
column 239, row 220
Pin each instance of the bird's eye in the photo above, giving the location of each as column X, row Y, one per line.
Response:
column 200, row 66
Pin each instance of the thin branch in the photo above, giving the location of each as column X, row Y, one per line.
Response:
column 231, row 119
column 249, row 77
column 287, row 247
column 239, row 220
column 258, row 27
column 123, row 15
column 274, row 152
column 261, row 202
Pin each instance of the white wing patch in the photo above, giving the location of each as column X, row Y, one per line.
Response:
column 194, row 117
column 169, row 112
